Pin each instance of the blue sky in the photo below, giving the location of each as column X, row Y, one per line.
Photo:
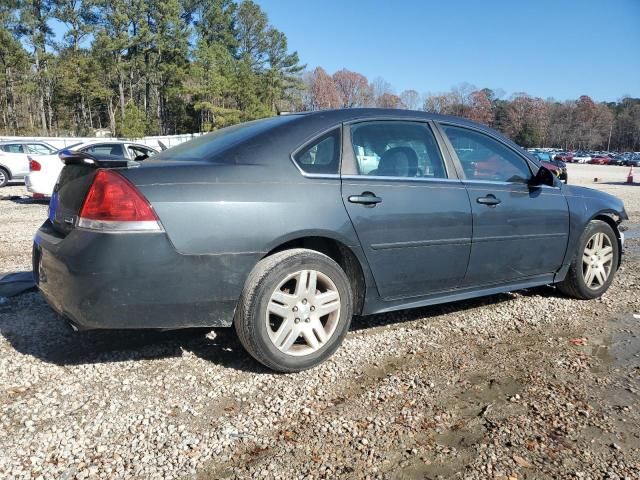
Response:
column 547, row 48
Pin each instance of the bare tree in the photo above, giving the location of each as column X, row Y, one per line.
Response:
column 480, row 109
column 353, row 88
column 389, row 100
column 323, row 92
column 410, row 99
column 379, row 86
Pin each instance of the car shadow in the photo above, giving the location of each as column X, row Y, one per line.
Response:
column 623, row 184
column 32, row 328
column 25, row 200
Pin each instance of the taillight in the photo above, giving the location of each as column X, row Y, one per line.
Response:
column 114, row 204
column 34, row 165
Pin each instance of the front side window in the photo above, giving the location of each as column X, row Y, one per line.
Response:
column 322, row 155
column 484, row 158
column 39, row 149
column 397, row 149
column 138, row 152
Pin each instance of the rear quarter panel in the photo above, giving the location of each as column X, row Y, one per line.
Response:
column 238, row 213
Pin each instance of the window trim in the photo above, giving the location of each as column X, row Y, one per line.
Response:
column 313, row 138
column 458, row 164
column 350, row 168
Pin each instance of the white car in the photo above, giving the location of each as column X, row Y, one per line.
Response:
column 581, row 158
column 44, row 170
column 14, row 161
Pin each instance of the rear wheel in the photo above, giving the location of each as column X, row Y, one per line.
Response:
column 4, row 177
column 295, row 310
column 594, row 266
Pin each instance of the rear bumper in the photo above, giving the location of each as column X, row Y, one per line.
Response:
column 120, row 281
column 38, row 184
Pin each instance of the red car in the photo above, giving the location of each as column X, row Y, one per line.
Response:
column 566, row 157
column 599, row 160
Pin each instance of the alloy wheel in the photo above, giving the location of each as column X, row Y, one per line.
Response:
column 303, row 312
column 597, row 260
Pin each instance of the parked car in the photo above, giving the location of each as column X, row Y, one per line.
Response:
column 581, row 157
column 556, row 166
column 617, row 160
column 633, row 161
column 599, row 159
column 14, row 162
column 44, row 171
column 272, row 227
column 566, row 157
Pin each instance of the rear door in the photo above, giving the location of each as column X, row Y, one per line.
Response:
column 519, row 230
column 15, row 158
column 409, row 209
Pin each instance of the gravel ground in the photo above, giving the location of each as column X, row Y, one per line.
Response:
column 521, row 385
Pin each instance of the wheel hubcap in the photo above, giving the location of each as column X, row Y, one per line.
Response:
column 597, row 260
column 2, row 177
column 303, row 312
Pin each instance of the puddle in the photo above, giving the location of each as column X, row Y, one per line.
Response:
column 620, row 347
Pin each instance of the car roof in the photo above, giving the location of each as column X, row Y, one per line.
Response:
column 316, row 121
column 109, row 142
column 11, row 142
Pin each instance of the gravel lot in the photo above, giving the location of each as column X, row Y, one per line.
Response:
column 521, row 385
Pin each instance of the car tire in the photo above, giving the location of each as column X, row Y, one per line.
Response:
column 4, row 177
column 580, row 282
column 280, row 318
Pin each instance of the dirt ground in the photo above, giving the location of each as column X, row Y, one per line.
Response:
column 524, row 385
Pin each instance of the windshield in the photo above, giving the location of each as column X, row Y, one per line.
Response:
column 204, row 148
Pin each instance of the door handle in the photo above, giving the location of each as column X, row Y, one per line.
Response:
column 365, row 198
column 490, row 200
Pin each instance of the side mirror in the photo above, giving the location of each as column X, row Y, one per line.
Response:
column 543, row 177
column 141, row 157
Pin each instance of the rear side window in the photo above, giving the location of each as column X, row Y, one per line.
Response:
column 321, row 155
column 397, row 149
column 114, row 149
column 484, row 158
column 13, row 148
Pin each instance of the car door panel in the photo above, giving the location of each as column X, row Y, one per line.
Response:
column 524, row 235
column 417, row 236
column 417, row 239
column 519, row 230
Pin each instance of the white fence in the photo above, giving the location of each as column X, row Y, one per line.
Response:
column 61, row 142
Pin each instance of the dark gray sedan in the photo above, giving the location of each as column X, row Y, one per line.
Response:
column 288, row 226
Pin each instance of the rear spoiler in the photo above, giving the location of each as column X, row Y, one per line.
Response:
column 73, row 157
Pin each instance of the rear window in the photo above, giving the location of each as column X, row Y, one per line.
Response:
column 206, row 147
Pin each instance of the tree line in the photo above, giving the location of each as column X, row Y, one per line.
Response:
column 149, row 67
column 140, row 67
column 530, row 121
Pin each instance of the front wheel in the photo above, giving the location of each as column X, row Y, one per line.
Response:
column 4, row 177
column 295, row 310
column 594, row 266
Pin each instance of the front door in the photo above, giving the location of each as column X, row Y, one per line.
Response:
column 519, row 231
column 410, row 212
